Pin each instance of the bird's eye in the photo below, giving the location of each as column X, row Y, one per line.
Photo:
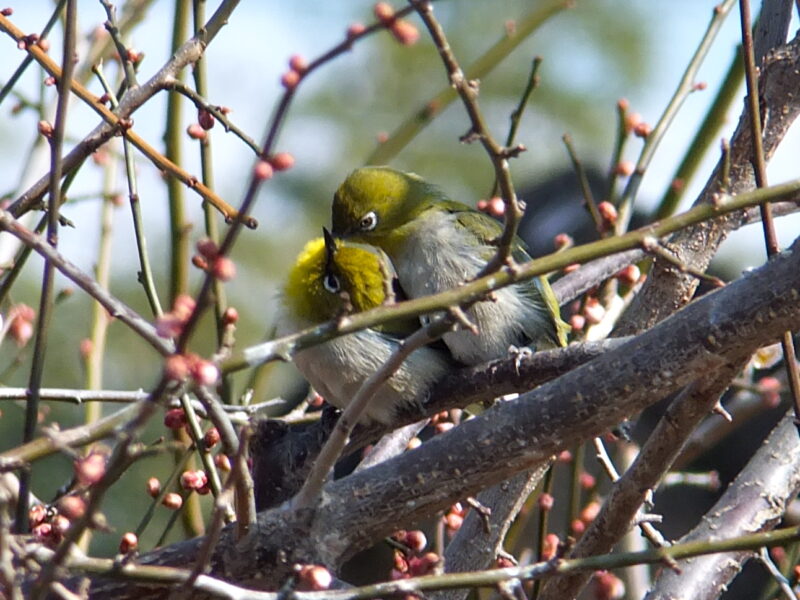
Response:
column 368, row 221
column 331, row 283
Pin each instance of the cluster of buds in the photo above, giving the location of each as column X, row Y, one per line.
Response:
column 205, row 121
column 195, row 481
column 633, row 122
column 446, row 420
column 171, row 324
column 298, row 67
column 454, row 518
column 210, row 260
column 407, row 566
column 265, row 169
column 403, row 31
column 172, row 500
column 179, row 367
column 90, row 469
column 48, row 525
column 412, row 560
column 31, row 39
column 21, row 317
column 585, row 518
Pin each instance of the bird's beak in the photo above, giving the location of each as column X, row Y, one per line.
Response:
column 330, row 243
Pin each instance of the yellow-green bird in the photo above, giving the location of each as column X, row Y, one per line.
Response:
column 436, row 244
column 329, row 279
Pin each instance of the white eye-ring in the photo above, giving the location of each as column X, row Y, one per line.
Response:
column 331, row 283
column 368, row 221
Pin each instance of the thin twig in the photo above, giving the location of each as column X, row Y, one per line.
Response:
column 267, row 148
column 416, row 122
column 12, row 81
column 620, row 140
column 489, row 578
column 499, row 155
column 284, row 348
column 197, row 97
column 196, row 433
column 516, row 114
column 207, row 173
column 655, row 247
column 706, row 135
column 146, row 275
column 357, row 407
column 115, row 124
column 586, row 189
column 775, row 573
column 686, row 86
column 231, row 446
column 114, row 306
column 646, row 527
column 48, row 277
column 122, row 51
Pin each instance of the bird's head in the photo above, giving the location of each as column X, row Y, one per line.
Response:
column 373, row 202
column 332, row 277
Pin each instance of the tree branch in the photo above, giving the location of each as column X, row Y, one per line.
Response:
column 721, row 328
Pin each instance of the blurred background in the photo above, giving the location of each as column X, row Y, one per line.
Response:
column 593, row 55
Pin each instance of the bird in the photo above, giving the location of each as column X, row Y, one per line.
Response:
column 329, row 279
column 437, row 244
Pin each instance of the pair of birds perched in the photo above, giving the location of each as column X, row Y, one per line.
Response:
column 392, row 224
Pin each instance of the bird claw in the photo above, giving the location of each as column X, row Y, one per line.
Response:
column 519, row 355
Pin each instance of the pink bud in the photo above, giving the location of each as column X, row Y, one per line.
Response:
column 205, row 119
column 355, row 30
column 404, row 32
column 172, row 501
column 153, row 487
column 282, row 161
column 196, row 131
column 298, row 63
column 175, row 418
column 224, row 268
column 313, row 578
column 205, row 372
column 290, row 79
column 128, row 543
column 263, row 170
column 90, row 469
column 384, row 12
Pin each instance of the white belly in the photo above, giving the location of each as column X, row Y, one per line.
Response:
column 438, row 258
column 338, row 368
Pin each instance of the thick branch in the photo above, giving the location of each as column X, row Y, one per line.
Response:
column 754, row 502
column 720, row 329
column 629, row 493
column 667, row 288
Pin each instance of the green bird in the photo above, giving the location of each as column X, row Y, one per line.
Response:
column 436, row 244
column 331, row 278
